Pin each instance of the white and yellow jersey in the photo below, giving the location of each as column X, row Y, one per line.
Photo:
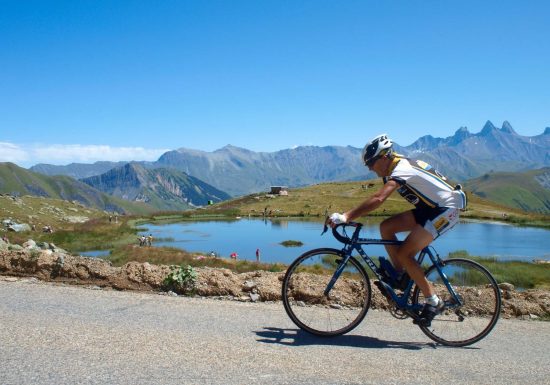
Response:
column 421, row 185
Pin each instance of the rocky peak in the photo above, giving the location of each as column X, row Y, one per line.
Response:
column 507, row 127
column 488, row 128
column 461, row 134
column 547, row 131
column 426, row 142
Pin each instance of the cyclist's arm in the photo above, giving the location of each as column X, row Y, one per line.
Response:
column 372, row 202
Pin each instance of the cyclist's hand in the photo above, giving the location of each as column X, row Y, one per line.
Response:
column 336, row 219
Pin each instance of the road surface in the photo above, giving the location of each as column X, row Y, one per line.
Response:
column 56, row 334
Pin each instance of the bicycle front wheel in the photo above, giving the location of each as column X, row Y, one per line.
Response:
column 338, row 312
column 477, row 311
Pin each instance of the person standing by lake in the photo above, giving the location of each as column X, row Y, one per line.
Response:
column 436, row 211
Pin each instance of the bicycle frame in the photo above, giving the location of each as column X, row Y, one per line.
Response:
column 401, row 301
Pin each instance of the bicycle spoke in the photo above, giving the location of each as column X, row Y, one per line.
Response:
column 461, row 325
column 303, row 298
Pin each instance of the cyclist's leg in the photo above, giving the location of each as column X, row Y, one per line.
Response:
column 403, row 256
column 417, row 240
column 390, row 227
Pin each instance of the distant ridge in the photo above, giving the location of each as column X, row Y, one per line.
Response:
column 160, row 188
column 239, row 171
column 462, row 156
column 77, row 170
column 17, row 181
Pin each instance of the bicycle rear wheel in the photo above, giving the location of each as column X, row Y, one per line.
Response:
column 468, row 322
column 342, row 309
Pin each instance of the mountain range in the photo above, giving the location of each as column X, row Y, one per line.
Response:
column 239, row 171
column 465, row 155
column 169, row 182
column 127, row 189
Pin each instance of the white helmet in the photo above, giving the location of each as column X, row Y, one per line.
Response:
column 379, row 146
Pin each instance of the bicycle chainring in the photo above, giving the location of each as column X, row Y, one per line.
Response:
column 398, row 313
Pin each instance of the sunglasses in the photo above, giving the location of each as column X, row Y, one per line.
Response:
column 372, row 161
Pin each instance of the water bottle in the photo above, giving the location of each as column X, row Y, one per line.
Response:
column 387, row 269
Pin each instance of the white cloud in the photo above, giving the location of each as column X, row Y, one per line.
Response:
column 61, row 154
column 10, row 152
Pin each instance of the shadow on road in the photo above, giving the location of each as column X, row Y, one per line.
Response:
column 297, row 337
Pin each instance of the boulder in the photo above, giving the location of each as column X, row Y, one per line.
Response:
column 75, row 219
column 506, row 286
column 30, row 244
column 43, row 245
column 19, row 227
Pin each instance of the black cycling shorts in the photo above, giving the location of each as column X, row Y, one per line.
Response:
column 425, row 214
column 436, row 220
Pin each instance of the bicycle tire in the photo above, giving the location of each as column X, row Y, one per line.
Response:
column 303, row 293
column 463, row 325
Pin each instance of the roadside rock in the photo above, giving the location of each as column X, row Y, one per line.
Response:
column 506, row 286
column 49, row 263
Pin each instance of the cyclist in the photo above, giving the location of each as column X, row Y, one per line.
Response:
column 437, row 206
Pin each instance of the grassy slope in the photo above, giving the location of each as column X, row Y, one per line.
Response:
column 320, row 199
column 519, row 190
column 19, row 181
column 97, row 233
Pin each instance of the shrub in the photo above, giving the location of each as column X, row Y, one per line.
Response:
column 182, row 279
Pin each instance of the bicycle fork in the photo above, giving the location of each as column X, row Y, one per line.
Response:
column 341, row 266
column 457, row 299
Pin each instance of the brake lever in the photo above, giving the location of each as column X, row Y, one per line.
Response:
column 325, row 226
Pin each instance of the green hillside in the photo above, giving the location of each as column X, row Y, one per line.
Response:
column 319, row 200
column 40, row 211
column 529, row 191
column 17, row 181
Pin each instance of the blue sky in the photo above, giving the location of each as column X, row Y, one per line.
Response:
column 82, row 81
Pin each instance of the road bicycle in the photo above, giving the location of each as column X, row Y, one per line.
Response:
column 327, row 292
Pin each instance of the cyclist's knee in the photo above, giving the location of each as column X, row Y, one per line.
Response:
column 387, row 229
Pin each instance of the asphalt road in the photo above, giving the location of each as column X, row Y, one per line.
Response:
column 52, row 334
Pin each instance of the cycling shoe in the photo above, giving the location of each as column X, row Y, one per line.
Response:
column 428, row 313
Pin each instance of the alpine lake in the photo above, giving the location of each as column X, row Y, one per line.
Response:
column 245, row 237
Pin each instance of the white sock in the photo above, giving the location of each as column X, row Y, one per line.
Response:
column 433, row 300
